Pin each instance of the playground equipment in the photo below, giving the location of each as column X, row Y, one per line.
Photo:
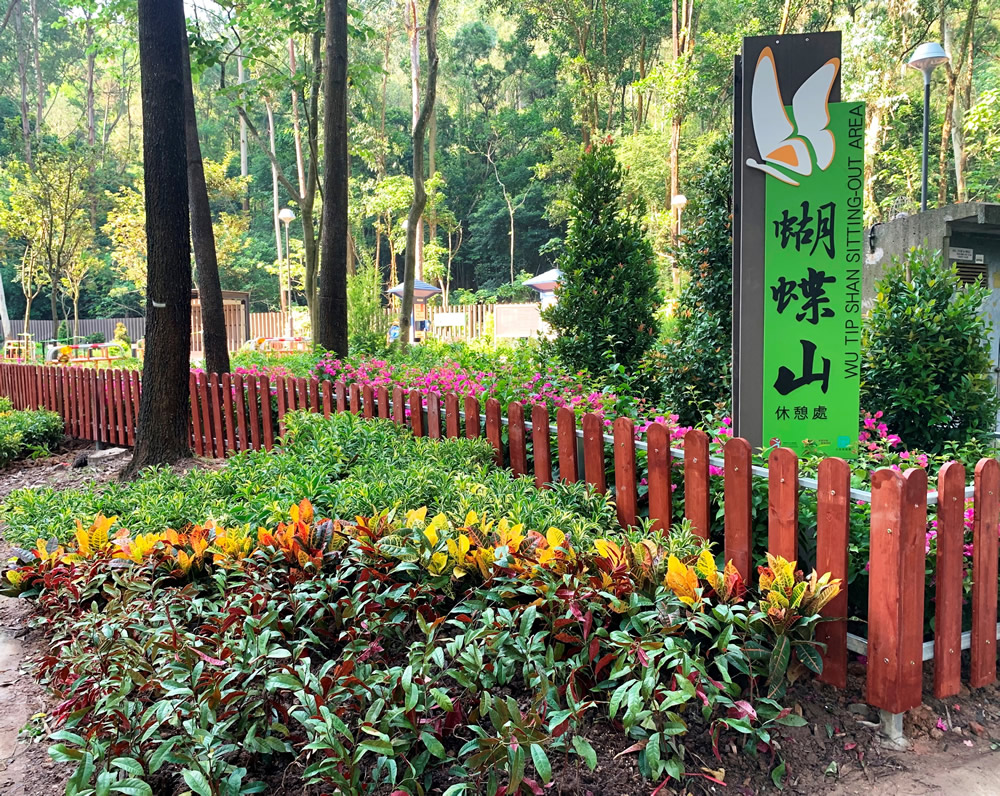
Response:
column 279, row 345
column 23, row 350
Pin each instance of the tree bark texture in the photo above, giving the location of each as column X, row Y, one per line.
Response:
column 22, row 78
column 332, row 309
column 419, row 192
column 213, row 317
column 162, row 431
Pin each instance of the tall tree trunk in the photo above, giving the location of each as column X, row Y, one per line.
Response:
column 244, row 141
column 54, row 303
column 39, row 82
column 22, row 76
column 284, row 295
column 213, row 316
column 414, row 34
column 164, row 410
column 91, row 121
column 332, row 310
column 419, row 193
column 296, row 132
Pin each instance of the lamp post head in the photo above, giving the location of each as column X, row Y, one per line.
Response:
column 927, row 56
column 679, row 201
column 286, row 215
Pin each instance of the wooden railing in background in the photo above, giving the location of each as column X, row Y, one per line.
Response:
column 237, row 413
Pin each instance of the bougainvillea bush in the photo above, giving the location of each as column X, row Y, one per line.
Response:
column 403, row 652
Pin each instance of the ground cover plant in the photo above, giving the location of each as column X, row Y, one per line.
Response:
column 345, row 465
column 27, row 433
column 404, row 650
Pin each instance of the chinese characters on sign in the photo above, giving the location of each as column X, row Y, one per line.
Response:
column 812, row 314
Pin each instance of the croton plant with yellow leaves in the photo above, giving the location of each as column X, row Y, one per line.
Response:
column 779, row 625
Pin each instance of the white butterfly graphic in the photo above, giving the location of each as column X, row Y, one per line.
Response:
column 775, row 132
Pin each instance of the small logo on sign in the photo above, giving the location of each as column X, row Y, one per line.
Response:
column 843, row 442
column 775, row 132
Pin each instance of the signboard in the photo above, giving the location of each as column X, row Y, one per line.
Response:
column 419, row 321
column 960, row 254
column 516, row 320
column 798, row 247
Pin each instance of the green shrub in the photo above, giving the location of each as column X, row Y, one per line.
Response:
column 27, row 433
column 62, row 333
column 608, row 298
column 121, row 335
column 695, row 365
column 346, row 466
column 926, row 363
column 367, row 322
column 96, row 337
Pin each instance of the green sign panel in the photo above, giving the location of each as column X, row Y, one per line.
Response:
column 813, row 255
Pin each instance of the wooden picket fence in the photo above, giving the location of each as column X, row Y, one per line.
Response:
column 235, row 413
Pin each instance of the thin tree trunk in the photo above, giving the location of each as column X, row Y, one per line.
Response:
column 39, row 82
column 419, row 193
column 332, row 312
column 296, row 133
column 22, row 76
column 244, row 142
column 285, row 295
column 164, row 410
column 213, row 317
column 91, row 121
column 414, row 33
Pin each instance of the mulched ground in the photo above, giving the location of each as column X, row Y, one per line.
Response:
column 838, row 752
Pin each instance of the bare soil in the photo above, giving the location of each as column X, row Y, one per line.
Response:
column 953, row 747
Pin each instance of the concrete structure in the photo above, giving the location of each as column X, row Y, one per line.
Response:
column 968, row 235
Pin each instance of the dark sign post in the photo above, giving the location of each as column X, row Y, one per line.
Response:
column 797, row 246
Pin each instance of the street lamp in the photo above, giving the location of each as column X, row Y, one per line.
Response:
column 927, row 56
column 679, row 201
column 286, row 216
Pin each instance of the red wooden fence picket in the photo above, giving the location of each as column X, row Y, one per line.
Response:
column 833, row 505
column 738, row 495
column 696, row 493
column 541, row 446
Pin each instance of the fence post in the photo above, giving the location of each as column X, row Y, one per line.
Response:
column 265, row 413
column 227, row 410
column 253, row 396
column 738, row 497
column 434, row 415
column 355, row 395
column 658, row 466
column 341, row 396
column 416, row 414
column 383, row 402
column 783, row 504
column 451, row 415
column 541, row 445
column 983, row 668
column 516, row 437
column 493, row 426
column 195, row 416
column 833, row 520
column 220, row 436
column 398, row 406
column 696, row 494
column 131, row 376
column 325, row 389
column 569, row 466
column 593, row 452
column 473, row 428
column 626, row 496
column 368, row 398
column 949, row 576
column 895, row 613
column 241, row 413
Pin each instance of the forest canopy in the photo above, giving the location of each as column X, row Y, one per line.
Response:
column 522, row 88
